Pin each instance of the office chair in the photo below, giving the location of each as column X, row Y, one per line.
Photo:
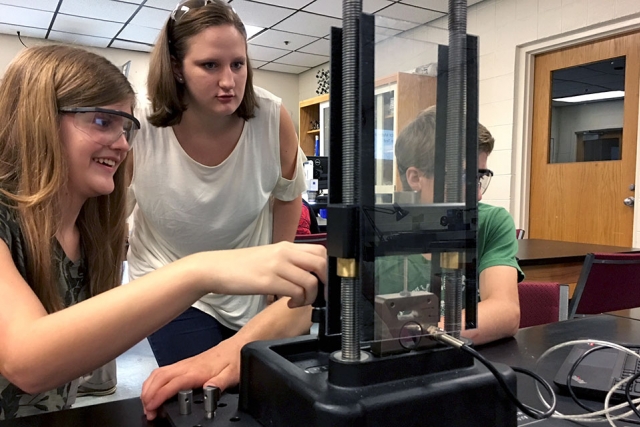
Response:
column 607, row 282
column 318, row 238
column 520, row 233
column 542, row 302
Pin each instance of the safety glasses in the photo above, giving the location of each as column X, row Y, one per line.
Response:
column 103, row 125
column 185, row 6
column 484, row 179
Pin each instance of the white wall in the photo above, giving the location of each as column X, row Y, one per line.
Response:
column 281, row 84
column 308, row 83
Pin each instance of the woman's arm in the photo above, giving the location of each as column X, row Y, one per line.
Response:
column 286, row 215
column 40, row 351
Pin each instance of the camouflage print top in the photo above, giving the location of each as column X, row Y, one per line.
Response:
column 73, row 288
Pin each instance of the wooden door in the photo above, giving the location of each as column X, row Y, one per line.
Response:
column 583, row 201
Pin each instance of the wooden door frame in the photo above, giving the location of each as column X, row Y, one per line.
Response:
column 523, row 110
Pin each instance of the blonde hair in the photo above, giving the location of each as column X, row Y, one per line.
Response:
column 415, row 146
column 165, row 94
column 33, row 167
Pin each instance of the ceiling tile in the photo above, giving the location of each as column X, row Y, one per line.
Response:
column 472, row 2
column 161, row 4
column 320, row 47
column 256, row 64
column 139, row 34
column 132, row 1
column 78, row 39
column 439, row 5
column 258, row 14
column 19, row 16
column 123, row 44
column 283, row 68
column 396, row 24
column 106, row 10
column 310, row 24
column 150, row 17
column 292, row 4
column 303, row 59
column 24, row 31
column 79, row 25
column 49, row 5
column 410, row 13
column 275, row 38
column 262, row 53
column 334, row 7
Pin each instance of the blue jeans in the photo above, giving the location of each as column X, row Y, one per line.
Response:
column 187, row 335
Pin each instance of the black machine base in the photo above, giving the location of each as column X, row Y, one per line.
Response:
column 286, row 383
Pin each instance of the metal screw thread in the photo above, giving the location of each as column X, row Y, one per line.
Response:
column 452, row 281
column 350, row 320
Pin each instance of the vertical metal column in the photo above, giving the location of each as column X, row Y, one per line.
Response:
column 350, row 286
column 456, row 122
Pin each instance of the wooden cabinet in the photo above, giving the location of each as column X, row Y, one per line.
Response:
column 309, row 122
column 399, row 99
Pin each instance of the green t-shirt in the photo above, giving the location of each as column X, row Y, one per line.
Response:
column 497, row 245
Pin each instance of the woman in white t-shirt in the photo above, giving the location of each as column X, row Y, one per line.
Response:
column 215, row 167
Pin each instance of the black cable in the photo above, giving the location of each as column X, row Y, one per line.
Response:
column 627, row 391
column 573, row 370
column 534, row 413
column 20, row 38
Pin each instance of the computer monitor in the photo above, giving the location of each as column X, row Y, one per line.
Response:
column 320, row 170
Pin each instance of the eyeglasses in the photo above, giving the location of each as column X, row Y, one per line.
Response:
column 484, row 178
column 182, row 8
column 105, row 126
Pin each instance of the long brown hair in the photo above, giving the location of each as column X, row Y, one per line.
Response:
column 165, row 94
column 33, row 168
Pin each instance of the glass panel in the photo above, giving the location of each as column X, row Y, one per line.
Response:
column 384, row 142
column 587, row 112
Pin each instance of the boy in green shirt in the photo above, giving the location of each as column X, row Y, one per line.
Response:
column 499, row 308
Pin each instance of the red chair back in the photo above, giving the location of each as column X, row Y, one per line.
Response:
column 539, row 303
column 607, row 282
column 318, row 238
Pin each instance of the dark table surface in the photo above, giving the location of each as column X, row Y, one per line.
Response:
column 536, row 251
column 523, row 350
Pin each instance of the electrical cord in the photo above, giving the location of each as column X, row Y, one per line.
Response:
column 581, row 404
column 596, row 416
column 440, row 335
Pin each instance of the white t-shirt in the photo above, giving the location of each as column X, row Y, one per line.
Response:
column 185, row 207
